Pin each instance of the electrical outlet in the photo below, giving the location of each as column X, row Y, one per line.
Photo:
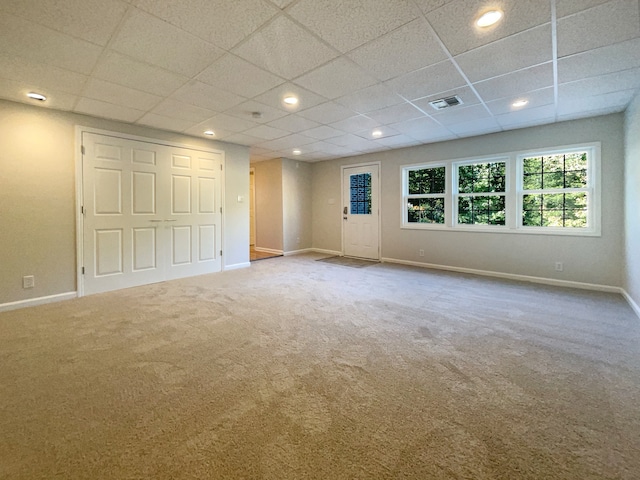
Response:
column 28, row 281
column 559, row 266
column 421, row 252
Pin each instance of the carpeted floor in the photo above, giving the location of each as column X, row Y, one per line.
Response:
column 348, row 261
column 297, row 369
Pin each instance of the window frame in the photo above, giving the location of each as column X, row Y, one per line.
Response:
column 514, row 192
column 406, row 196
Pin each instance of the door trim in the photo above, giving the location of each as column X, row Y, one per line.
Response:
column 378, row 193
column 79, row 130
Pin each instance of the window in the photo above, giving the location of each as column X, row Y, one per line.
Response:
column 360, row 190
column 425, row 194
column 555, row 191
column 481, row 193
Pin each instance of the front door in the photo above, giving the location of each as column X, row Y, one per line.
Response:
column 360, row 214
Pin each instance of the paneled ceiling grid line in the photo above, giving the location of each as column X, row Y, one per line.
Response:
column 457, row 67
column 554, row 54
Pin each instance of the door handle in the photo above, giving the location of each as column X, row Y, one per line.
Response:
column 345, row 210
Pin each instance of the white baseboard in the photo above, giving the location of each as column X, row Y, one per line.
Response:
column 32, row 302
column 268, row 250
column 512, row 276
column 298, row 252
column 632, row 303
column 327, row 252
column 237, row 266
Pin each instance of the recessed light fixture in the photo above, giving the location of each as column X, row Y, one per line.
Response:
column 519, row 103
column 489, row 18
column 209, row 133
column 376, row 133
column 36, row 96
column 291, row 100
column 297, row 151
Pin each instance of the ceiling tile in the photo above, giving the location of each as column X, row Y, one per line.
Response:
column 287, row 143
column 568, row 7
column 266, row 132
column 613, row 22
column 34, row 43
column 17, row 91
column 327, row 113
column 423, row 128
column 322, row 132
column 198, row 131
column 609, row 59
column 398, row 141
column 275, row 98
column 236, row 75
column 580, row 107
column 230, row 123
column 536, row 99
column 518, row 51
column 282, row 3
column 285, row 49
column 40, row 76
column 206, row 96
column 120, row 95
column 293, row 123
column 336, row 78
column 429, row 5
column 465, row 94
column 97, row 108
column 475, row 127
column 534, row 78
column 222, row 22
column 244, row 139
column 173, row 108
column 245, row 111
column 528, row 117
column 165, row 123
column 347, row 25
column 461, row 113
column 91, row 20
column 428, row 81
column 355, row 124
column 410, row 47
column 454, row 22
column 395, row 114
column 613, row 82
column 120, row 69
column 149, row 39
column 382, row 131
column 371, row 98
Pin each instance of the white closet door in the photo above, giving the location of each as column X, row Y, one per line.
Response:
column 152, row 212
column 194, row 216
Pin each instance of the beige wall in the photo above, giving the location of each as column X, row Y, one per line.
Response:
column 597, row 260
column 37, row 197
column 296, row 203
column 269, row 213
column 632, row 200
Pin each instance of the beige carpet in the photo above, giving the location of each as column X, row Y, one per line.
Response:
column 297, row 369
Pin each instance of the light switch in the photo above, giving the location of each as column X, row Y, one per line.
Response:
column 240, row 199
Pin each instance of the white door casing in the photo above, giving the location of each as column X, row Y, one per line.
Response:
column 361, row 214
column 151, row 212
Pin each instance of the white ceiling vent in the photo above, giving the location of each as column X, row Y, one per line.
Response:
column 446, row 102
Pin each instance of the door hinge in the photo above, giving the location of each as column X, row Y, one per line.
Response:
column 220, row 252
column 220, row 167
column 220, row 209
column 82, row 149
column 83, row 270
column 82, row 209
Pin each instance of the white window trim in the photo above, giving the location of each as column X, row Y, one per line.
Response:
column 513, row 194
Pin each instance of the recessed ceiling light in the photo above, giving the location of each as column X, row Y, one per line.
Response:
column 489, row 18
column 297, row 152
column 210, row 133
column 376, row 133
column 519, row 103
column 36, row 96
column 291, row 100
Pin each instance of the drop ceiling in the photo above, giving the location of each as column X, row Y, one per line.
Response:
column 355, row 65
